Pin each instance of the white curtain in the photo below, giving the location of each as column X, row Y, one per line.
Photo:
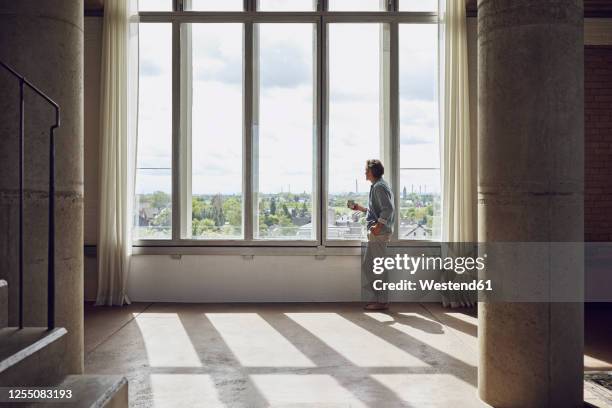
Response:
column 118, row 121
column 458, row 201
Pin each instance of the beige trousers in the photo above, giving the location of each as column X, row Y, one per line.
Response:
column 376, row 248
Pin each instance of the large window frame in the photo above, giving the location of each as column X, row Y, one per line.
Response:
column 321, row 20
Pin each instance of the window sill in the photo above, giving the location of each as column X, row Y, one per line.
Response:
column 351, row 248
column 277, row 249
column 339, row 248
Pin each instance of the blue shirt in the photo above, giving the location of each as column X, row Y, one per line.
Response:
column 380, row 206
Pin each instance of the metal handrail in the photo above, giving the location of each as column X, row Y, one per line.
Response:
column 51, row 244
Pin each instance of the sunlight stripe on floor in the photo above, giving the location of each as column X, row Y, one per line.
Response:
column 353, row 342
column 308, row 390
column 166, row 341
column 255, row 343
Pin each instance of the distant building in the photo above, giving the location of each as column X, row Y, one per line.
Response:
column 415, row 231
column 299, row 221
column 146, row 214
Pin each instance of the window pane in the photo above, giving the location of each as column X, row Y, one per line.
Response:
column 214, row 5
column 216, row 131
column 419, row 134
column 153, row 219
column 155, row 5
column 355, row 120
column 420, row 204
column 357, row 5
column 285, row 138
column 154, row 204
column 418, row 5
column 286, row 5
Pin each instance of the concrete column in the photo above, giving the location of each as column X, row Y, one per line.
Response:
column 43, row 40
column 531, row 122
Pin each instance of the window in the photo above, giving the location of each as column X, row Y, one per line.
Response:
column 418, row 5
column 214, row 126
column 287, row 5
column 284, row 136
column 255, row 126
column 356, row 121
column 153, row 218
column 419, row 141
column 357, row 5
column 213, row 5
column 155, row 5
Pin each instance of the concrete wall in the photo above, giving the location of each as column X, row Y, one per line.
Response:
column 44, row 42
column 92, row 60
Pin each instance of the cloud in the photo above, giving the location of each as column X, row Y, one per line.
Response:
column 284, row 66
column 217, row 52
column 220, row 68
column 353, row 95
column 418, row 89
column 224, row 165
column 424, row 136
column 418, row 112
column 418, row 121
column 280, row 67
column 224, row 171
column 418, row 61
column 418, row 82
column 148, row 67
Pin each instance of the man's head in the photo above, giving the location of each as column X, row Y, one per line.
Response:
column 374, row 170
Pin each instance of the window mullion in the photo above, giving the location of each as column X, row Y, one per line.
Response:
column 394, row 119
column 248, row 168
column 185, row 143
column 388, row 104
column 176, row 115
column 322, row 157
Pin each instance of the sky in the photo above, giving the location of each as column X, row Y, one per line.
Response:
column 284, row 130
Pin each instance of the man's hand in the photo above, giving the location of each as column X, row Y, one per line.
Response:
column 357, row 207
column 376, row 228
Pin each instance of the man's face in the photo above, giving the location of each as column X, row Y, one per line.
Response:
column 368, row 174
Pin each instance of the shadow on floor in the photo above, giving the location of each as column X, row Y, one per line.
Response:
column 260, row 355
column 251, row 355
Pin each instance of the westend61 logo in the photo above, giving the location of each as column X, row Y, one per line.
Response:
column 412, row 264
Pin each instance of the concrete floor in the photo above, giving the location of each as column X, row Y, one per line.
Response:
column 315, row 355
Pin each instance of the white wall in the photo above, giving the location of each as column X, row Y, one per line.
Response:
column 232, row 278
column 259, row 278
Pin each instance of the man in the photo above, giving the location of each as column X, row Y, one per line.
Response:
column 380, row 214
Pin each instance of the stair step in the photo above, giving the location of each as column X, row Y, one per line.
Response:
column 3, row 304
column 94, row 391
column 31, row 356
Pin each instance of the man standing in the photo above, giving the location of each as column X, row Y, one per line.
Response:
column 380, row 214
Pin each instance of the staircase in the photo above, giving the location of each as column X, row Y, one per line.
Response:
column 33, row 356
